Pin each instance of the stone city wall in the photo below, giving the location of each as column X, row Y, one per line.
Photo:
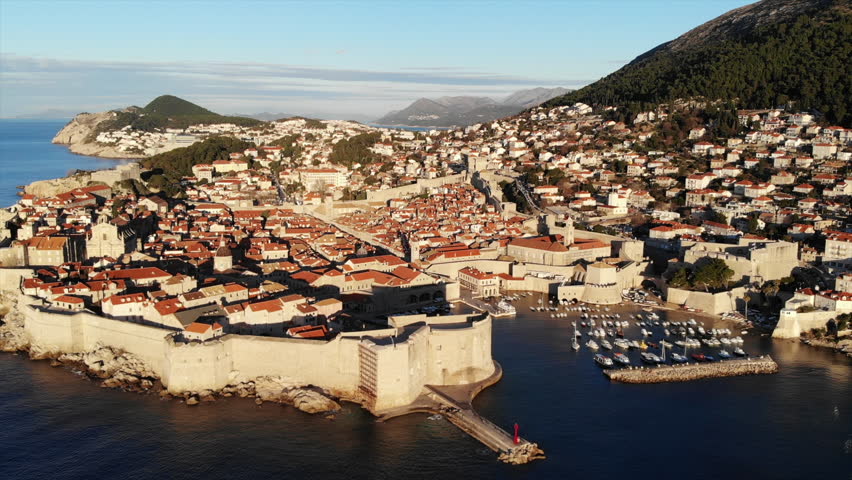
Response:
column 712, row 303
column 791, row 323
column 415, row 188
column 437, row 353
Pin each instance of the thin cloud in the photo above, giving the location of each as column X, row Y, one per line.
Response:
column 27, row 81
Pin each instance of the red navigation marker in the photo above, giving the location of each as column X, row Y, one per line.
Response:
column 517, row 437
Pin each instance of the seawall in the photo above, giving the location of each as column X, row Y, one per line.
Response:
column 685, row 373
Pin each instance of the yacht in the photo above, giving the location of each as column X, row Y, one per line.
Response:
column 505, row 308
column 606, row 345
column 739, row 352
column 724, row 354
column 593, row 345
column 676, row 357
column 603, row 360
column 621, row 358
column 650, row 358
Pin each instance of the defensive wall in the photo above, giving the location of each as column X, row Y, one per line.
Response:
column 791, row 323
column 415, row 188
column 712, row 303
column 383, row 368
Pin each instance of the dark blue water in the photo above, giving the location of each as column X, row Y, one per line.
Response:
column 57, row 425
column 26, row 155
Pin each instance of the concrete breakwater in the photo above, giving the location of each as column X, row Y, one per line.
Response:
column 684, row 373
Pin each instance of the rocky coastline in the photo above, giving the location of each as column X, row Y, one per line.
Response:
column 842, row 346
column 114, row 368
column 76, row 134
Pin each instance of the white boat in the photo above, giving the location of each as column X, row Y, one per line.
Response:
column 505, row 308
column 603, row 360
column 593, row 345
column 621, row 358
column 606, row 345
column 676, row 357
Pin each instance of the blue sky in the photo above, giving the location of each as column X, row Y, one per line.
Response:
column 331, row 59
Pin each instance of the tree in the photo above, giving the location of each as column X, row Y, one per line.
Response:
column 680, row 279
column 714, row 273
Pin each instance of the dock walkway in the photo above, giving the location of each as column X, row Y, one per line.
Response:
column 454, row 403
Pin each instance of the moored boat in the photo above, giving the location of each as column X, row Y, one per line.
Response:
column 603, row 360
column 621, row 358
column 650, row 358
column 676, row 357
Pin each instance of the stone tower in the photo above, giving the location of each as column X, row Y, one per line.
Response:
column 567, row 230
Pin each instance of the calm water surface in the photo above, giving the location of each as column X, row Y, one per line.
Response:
column 58, row 425
column 26, row 155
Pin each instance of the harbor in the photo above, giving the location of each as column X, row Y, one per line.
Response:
column 454, row 403
column 683, row 373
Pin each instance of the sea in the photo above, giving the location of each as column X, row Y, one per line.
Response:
column 796, row 424
column 26, row 155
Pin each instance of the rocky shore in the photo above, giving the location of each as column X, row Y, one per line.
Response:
column 843, row 346
column 78, row 131
column 687, row 372
column 522, row 454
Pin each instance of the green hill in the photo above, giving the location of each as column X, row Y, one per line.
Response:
column 771, row 53
column 168, row 111
column 172, row 106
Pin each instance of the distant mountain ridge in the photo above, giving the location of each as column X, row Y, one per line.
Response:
column 467, row 110
column 761, row 55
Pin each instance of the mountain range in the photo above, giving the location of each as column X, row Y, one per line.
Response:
column 772, row 53
column 467, row 110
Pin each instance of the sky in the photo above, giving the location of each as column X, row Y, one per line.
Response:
column 326, row 59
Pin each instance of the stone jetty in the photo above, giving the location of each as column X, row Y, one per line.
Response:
column 694, row 371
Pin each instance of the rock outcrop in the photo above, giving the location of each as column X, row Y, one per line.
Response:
column 54, row 186
column 13, row 337
column 116, row 369
column 79, row 131
column 281, row 390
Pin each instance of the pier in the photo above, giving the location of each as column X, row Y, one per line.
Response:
column 694, row 371
column 454, row 403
